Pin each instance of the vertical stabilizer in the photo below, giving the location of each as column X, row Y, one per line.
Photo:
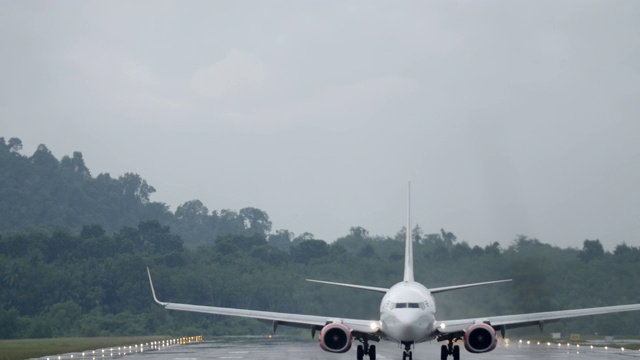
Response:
column 408, row 250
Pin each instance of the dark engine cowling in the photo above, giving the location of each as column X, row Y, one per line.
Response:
column 480, row 338
column 335, row 338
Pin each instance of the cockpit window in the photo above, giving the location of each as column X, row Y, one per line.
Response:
column 407, row 305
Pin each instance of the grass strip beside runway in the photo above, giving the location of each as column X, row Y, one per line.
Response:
column 20, row 349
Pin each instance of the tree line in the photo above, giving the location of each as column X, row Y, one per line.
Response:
column 74, row 251
column 93, row 283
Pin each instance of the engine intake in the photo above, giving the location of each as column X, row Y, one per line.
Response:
column 335, row 338
column 480, row 338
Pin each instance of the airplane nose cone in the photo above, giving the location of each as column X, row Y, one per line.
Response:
column 406, row 317
column 409, row 326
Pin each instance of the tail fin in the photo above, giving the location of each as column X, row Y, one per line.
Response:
column 408, row 250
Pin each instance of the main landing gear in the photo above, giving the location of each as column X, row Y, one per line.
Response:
column 366, row 349
column 450, row 349
column 407, row 354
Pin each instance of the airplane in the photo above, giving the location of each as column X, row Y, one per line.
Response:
column 407, row 317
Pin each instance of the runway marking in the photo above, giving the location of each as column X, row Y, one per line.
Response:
column 230, row 357
column 238, row 352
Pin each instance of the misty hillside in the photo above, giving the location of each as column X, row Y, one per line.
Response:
column 44, row 193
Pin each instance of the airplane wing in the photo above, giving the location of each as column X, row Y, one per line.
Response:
column 520, row 320
column 297, row 320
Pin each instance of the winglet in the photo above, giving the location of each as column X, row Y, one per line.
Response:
column 408, row 252
column 152, row 290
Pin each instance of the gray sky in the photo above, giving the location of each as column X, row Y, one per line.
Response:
column 509, row 117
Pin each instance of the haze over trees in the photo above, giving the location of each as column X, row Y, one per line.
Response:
column 74, row 250
column 40, row 192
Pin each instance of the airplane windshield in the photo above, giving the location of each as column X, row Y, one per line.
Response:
column 407, row 305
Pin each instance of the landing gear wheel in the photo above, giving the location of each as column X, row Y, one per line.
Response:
column 372, row 352
column 444, row 352
column 456, row 352
column 407, row 355
column 360, row 352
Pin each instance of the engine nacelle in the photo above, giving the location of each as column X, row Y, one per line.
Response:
column 480, row 338
column 335, row 338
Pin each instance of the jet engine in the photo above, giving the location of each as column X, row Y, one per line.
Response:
column 335, row 338
column 480, row 338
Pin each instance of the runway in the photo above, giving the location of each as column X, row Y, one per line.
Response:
column 263, row 348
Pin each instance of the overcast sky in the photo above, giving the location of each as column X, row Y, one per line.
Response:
column 509, row 117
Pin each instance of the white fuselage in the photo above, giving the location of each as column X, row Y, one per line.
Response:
column 407, row 313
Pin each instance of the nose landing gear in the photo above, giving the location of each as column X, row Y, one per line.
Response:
column 407, row 354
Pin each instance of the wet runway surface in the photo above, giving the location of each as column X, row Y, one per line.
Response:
column 287, row 349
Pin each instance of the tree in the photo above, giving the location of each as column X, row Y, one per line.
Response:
column 9, row 320
column 241, row 242
column 477, row 251
column 417, row 234
column 281, row 239
column 14, row 145
column 228, row 222
column 307, row 250
column 492, row 249
column 91, row 231
column 135, row 188
column 624, row 250
column 461, row 250
column 256, row 220
column 60, row 246
column 591, row 250
column 358, row 232
column 401, row 235
column 302, row 237
column 62, row 316
column 367, row 252
column 448, row 238
column 43, row 158
column 193, row 211
column 75, row 165
column 156, row 238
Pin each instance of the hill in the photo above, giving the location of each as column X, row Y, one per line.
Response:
column 40, row 192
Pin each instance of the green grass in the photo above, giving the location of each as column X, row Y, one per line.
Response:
column 32, row 348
